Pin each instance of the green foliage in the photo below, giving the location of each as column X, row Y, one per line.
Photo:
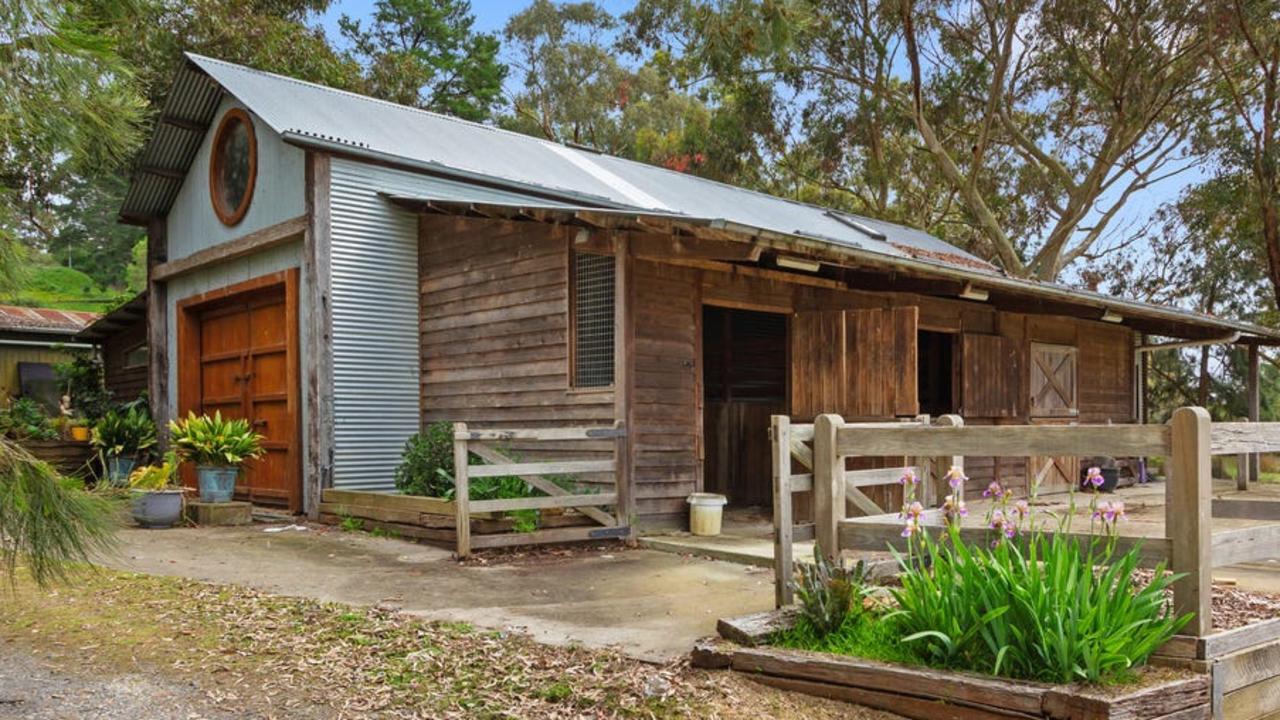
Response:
column 64, row 288
column 425, row 53
column 49, row 523
column 350, row 523
column 82, row 378
column 865, row 635
column 156, row 477
column 829, row 592
column 124, row 432
column 26, row 419
column 206, row 440
column 426, row 467
column 1047, row 608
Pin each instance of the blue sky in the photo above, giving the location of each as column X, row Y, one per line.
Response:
column 492, row 15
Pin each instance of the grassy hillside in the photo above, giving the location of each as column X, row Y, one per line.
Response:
column 64, row 288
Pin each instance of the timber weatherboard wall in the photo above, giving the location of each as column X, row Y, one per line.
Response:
column 278, row 194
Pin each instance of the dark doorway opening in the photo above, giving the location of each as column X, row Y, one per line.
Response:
column 744, row 361
column 935, row 379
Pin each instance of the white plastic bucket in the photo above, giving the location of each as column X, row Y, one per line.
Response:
column 705, row 513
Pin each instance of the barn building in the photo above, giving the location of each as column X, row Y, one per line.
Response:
column 342, row 270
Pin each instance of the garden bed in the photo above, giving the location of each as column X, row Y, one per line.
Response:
column 434, row 519
column 930, row 694
column 69, row 457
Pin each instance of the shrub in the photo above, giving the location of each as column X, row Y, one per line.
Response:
column 427, row 465
column 1046, row 607
column 81, row 377
column 124, row 432
column 156, row 477
column 25, row 419
column 206, row 440
column 829, row 592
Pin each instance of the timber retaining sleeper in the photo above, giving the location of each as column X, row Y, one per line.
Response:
column 929, row 694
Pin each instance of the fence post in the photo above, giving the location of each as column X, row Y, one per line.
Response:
column 1243, row 467
column 944, row 463
column 828, row 485
column 461, row 490
column 1187, row 517
column 780, row 440
column 922, row 464
column 622, row 476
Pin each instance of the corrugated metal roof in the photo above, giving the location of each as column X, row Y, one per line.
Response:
column 308, row 113
column 313, row 115
column 44, row 320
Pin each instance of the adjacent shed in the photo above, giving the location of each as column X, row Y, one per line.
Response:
column 121, row 336
column 342, row 270
column 32, row 341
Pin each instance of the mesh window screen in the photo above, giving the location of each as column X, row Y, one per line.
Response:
column 593, row 320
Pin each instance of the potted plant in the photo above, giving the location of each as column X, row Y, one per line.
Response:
column 218, row 448
column 119, row 436
column 157, row 498
column 79, row 430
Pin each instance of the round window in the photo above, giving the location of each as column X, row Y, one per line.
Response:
column 233, row 166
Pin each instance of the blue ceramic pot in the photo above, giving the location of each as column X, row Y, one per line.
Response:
column 157, row 508
column 118, row 469
column 217, row 482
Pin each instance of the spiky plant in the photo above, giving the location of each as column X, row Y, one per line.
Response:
column 205, row 440
column 48, row 523
column 829, row 591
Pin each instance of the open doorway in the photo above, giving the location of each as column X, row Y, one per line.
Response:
column 744, row 361
column 935, row 378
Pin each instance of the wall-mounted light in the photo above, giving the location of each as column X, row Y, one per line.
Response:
column 582, row 237
column 974, row 293
column 1112, row 317
column 795, row 263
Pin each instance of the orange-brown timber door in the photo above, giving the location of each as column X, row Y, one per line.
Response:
column 818, row 376
column 244, row 352
column 882, row 367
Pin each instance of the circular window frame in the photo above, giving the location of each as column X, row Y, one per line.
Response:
column 232, row 216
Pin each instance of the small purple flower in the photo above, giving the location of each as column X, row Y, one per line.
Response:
column 1109, row 512
column 1023, row 508
column 1094, row 477
column 908, row 477
column 956, row 477
column 953, row 508
column 910, row 528
column 997, row 519
column 993, row 490
column 912, row 512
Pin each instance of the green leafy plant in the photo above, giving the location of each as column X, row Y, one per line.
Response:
column 1047, row 607
column 81, row 377
column 350, row 523
column 124, row 432
column 426, row 467
column 214, row 441
column 156, row 477
column 829, row 591
column 26, row 419
column 49, row 523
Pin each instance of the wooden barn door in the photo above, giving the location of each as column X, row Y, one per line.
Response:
column 859, row 363
column 238, row 357
column 1054, row 401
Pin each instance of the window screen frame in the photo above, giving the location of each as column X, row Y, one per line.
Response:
column 572, row 339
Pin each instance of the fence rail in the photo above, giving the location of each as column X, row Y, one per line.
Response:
column 1188, row 442
column 479, row 442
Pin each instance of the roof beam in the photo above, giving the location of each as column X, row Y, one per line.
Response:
column 171, row 173
column 183, row 124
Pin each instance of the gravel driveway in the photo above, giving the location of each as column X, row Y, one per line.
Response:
column 30, row 689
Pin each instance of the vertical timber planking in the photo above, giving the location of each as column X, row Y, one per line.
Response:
column 780, row 439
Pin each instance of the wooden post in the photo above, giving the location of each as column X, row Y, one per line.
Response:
column 1243, row 461
column 1254, row 405
column 927, row 489
column 621, row 477
column 780, row 441
column 461, row 490
column 1188, row 497
column 944, row 463
column 828, row 485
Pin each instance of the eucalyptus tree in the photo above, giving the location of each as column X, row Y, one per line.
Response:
column 427, row 53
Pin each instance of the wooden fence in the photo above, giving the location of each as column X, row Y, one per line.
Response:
column 1188, row 442
column 483, row 443
column 466, row 523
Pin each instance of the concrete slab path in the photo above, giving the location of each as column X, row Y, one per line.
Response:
column 651, row 605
